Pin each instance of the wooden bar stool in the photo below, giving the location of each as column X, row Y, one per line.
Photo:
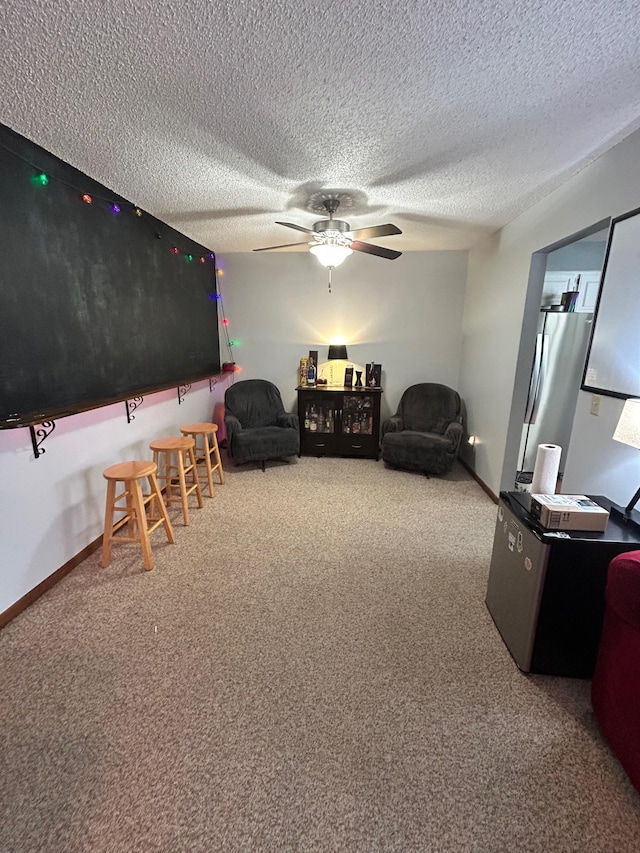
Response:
column 185, row 463
column 205, row 449
column 130, row 475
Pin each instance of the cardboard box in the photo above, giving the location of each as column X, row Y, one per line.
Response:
column 569, row 512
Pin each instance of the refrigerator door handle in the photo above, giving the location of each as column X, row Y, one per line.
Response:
column 533, row 381
column 538, row 373
column 544, row 359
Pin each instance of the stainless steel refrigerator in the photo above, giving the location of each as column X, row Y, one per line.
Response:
column 556, row 374
column 546, row 588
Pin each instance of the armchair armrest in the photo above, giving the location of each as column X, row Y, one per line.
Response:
column 232, row 426
column 392, row 424
column 288, row 419
column 453, row 432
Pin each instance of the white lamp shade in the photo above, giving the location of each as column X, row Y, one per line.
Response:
column 330, row 256
column 628, row 429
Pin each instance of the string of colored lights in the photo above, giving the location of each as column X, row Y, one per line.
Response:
column 225, row 324
column 40, row 178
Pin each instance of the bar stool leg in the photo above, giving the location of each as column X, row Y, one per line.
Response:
column 154, row 502
column 162, row 459
column 168, row 489
column 194, row 475
column 155, row 490
column 107, row 536
column 130, row 511
column 138, row 507
column 216, row 453
column 183, row 486
column 207, row 462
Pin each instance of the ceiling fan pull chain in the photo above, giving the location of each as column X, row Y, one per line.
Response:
column 329, row 268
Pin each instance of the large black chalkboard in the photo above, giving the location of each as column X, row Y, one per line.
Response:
column 95, row 306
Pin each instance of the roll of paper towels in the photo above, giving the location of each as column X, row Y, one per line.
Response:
column 545, row 471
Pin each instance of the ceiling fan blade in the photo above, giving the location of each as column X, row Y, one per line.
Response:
column 390, row 254
column 376, row 231
column 297, row 227
column 284, row 246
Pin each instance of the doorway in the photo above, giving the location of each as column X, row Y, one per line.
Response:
column 564, row 282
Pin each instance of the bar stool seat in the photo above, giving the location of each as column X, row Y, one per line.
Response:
column 182, row 447
column 205, row 448
column 130, row 474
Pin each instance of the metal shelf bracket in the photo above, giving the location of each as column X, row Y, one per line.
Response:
column 39, row 435
column 131, row 406
column 182, row 390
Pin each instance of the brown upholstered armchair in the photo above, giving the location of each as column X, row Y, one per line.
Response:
column 424, row 434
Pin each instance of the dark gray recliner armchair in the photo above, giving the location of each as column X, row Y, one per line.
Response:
column 425, row 433
column 257, row 425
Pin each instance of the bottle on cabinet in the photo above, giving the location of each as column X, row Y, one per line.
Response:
column 302, row 372
column 311, row 373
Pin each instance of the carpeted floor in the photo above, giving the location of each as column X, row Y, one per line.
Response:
column 311, row 667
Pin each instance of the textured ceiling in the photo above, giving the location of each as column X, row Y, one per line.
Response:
column 447, row 118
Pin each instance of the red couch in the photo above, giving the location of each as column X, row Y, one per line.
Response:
column 615, row 690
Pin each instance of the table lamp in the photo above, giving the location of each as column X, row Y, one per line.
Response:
column 337, row 352
column 628, row 432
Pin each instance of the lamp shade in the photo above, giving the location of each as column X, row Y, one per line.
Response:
column 628, row 429
column 628, row 432
column 330, row 255
column 337, row 351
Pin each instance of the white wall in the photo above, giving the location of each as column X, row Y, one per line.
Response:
column 494, row 373
column 404, row 314
column 53, row 507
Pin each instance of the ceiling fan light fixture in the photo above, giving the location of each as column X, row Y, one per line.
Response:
column 330, row 255
column 333, row 239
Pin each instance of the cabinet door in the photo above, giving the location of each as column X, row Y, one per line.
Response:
column 359, row 425
column 358, row 414
column 318, row 414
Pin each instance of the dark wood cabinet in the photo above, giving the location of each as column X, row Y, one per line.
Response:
column 339, row 421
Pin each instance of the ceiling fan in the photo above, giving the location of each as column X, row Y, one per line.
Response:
column 333, row 239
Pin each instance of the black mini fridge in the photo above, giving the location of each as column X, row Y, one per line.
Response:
column 546, row 589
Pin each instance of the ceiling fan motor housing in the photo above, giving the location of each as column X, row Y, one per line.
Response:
column 331, row 225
